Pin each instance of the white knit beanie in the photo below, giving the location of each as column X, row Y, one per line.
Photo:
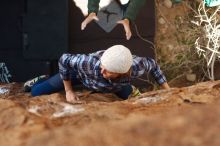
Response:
column 117, row 59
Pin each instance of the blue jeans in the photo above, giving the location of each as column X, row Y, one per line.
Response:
column 55, row 84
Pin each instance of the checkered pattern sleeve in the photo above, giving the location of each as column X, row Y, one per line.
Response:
column 66, row 63
column 151, row 66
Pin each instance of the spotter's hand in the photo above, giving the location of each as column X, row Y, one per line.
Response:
column 92, row 16
column 126, row 24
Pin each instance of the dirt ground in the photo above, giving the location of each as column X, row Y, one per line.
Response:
column 180, row 116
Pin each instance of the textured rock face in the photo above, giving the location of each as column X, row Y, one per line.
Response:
column 180, row 116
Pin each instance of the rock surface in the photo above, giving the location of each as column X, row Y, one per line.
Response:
column 180, row 116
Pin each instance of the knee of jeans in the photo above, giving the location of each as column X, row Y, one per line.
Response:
column 40, row 89
column 36, row 91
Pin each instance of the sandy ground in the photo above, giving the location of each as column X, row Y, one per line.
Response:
column 180, row 116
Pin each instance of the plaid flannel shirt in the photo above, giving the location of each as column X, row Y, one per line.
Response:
column 88, row 71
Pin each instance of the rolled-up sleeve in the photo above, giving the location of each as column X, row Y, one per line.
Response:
column 66, row 63
column 152, row 67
